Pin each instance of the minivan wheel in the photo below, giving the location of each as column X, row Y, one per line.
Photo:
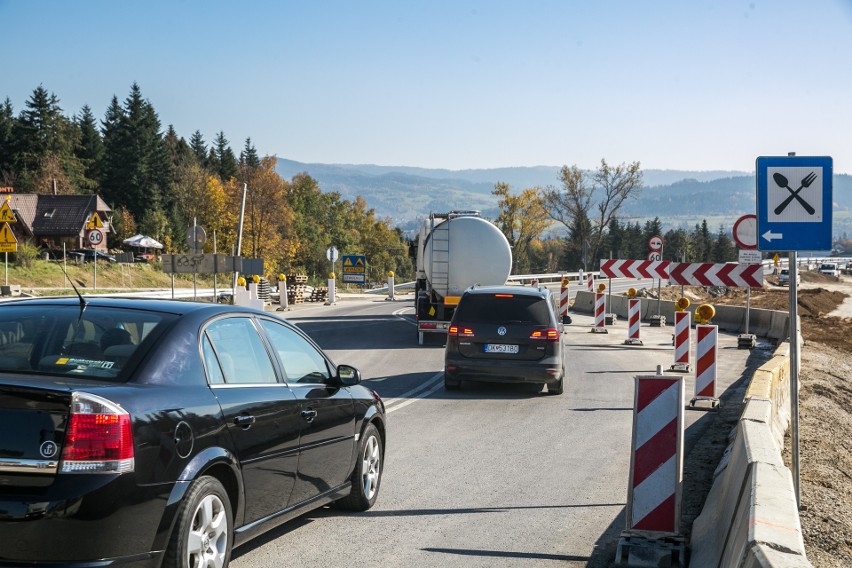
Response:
column 202, row 535
column 367, row 476
column 451, row 385
column 558, row 387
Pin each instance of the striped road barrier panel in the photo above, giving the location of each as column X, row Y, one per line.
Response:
column 600, row 316
column 634, row 316
column 564, row 300
column 656, row 474
column 590, row 283
column 683, row 322
column 707, row 346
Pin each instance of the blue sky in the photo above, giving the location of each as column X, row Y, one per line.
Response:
column 458, row 84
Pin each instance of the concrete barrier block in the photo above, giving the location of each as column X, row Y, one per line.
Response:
column 711, row 529
column 763, row 556
column 757, row 410
column 767, row 514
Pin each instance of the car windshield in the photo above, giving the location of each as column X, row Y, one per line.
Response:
column 828, row 267
column 95, row 343
column 502, row 308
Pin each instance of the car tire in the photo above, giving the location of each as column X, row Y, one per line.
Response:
column 451, row 385
column 206, row 511
column 367, row 477
column 558, row 387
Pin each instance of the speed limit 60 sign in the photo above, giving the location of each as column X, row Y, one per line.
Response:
column 95, row 237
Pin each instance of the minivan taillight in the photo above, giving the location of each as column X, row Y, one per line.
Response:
column 461, row 331
column 550, row 334
column 99, row 438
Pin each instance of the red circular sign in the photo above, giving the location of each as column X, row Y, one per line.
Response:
column 655, row 243
column 655, row 256
column 745, row 232
column 95, row 237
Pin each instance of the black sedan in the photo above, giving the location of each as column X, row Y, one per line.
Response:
column 159, row 433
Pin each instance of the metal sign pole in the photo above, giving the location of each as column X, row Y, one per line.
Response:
column 794, row 371
column 95, row 262
column 215, row 269
column 7, row 267
column 748, row 308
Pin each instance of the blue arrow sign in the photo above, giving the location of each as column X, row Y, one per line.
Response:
column 794, row 203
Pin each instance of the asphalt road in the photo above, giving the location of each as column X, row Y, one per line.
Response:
column 492, row 475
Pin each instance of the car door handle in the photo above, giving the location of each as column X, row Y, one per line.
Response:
column 309, row 414
column 244, row 421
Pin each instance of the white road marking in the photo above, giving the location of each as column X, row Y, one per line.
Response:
column 436, row 383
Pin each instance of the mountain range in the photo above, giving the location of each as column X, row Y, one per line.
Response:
column 680, row 198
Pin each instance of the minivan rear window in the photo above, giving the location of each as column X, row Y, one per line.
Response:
column 486, row 308
column 94, row 343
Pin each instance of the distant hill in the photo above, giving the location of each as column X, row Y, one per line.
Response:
column 407, row 194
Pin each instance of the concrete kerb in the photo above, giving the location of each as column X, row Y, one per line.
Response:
column 750, row 517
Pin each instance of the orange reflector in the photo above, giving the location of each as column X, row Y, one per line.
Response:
column 452, row 300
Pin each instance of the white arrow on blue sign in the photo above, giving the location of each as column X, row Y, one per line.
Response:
column 794, row 203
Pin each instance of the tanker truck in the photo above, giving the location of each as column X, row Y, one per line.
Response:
column 455, row 250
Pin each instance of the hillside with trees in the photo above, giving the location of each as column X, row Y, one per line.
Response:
column 158, row 183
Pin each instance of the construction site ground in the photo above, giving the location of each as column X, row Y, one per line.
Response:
column 825, row 403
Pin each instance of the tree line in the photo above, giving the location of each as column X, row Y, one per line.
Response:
column 158, row 183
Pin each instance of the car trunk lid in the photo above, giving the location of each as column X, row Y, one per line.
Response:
column 33, row 419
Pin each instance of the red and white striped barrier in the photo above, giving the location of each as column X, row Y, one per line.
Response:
column 564, row 300
column 683, row 324
column 600, row 316
column 707, row 345
column 590, row 282
column 534, row 282
column 618, row 268
column 656, row 462
column 634, row 313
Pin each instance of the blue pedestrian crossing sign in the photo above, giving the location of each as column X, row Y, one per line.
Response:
column 794, row 199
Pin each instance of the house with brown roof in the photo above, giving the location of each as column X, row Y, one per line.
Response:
column 53, row 220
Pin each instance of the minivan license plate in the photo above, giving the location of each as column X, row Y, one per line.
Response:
column 500, row 348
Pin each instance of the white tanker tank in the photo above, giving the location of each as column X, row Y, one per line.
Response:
column 455, row 251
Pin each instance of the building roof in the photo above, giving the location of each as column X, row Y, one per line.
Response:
column 56, row 214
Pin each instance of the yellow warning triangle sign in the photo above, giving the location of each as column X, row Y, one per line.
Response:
column 7, row 237
column 360, row 261
column 6, row 215
column 347, row 262
column 95, row 222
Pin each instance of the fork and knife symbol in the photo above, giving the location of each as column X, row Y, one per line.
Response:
column 783, row 182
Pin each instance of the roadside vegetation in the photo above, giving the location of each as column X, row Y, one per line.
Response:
column 159, row 184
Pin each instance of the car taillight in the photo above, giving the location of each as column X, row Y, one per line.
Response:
column 461, row 331
column 99, row 438
column 550, row 334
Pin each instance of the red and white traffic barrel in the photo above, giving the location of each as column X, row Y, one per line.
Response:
column 600, row 315
column 707, row 346
column 683, row 325
column 564, row 301
column 656, row 461
column 634, row 312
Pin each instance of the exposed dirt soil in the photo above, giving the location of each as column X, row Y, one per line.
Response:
column 825, row 405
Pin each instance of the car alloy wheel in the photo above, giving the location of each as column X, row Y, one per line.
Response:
column 207, row 543
column 371, row 467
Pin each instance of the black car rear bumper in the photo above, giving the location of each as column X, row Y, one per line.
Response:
column 97, row 520
column 545, row 370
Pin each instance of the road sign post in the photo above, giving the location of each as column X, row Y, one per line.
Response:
column 794, row 220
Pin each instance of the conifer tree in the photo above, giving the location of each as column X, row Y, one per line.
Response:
column 249, row 157
column 225, row 164
column 7, row 121
column 90, row 149
column 199, row 148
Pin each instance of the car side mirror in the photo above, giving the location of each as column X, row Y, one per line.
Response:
column 348, row 375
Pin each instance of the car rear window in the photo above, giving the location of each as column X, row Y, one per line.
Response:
column 498, row 308
column 93, row 343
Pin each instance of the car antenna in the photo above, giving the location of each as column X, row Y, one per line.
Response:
column 83, row 303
